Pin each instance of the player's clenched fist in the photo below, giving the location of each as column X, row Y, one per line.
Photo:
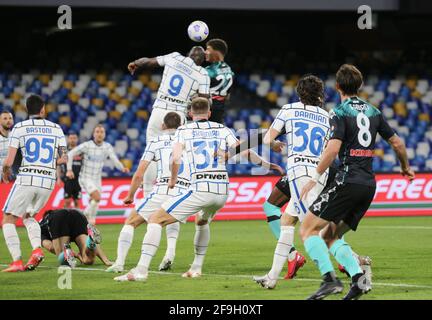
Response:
column 128, row 200
column 132, row 67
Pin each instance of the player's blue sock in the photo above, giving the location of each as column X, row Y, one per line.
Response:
column 90, row 244
column 318, row 251
column 344, row 255
column 273, row 218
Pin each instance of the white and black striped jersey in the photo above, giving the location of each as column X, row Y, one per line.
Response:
column 201, row 141
column 39, row 141
column 307, row 129
column 181, row 80
column 4, row 146
column 94, row 156
column 160, row 150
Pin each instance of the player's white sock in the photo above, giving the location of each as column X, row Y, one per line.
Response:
column 172, row 232
column 201, row 241
column 282, row 250
column 149, row 246
column 33, row 231
column 124, row 243
column 12, row 240
column 91, row 211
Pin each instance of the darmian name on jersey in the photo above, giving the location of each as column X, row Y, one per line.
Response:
column 205, row 134
column 311, row 116
column 211, row 176
column 39, row 130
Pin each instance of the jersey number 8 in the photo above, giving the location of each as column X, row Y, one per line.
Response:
column 364, row 136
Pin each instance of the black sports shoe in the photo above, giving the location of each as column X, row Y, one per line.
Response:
column 327, row 288
column 355, row 292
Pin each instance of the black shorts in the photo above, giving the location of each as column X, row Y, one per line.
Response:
column 72, row 189
column 347, row 202
column 217, row 115
column 283, row 186
column 67, row 223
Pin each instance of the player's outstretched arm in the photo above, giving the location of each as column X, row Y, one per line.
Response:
column 136, row 181
column 116, row 161
column 70, row 156
column 7, row 164
column 142, row 63
column 399, row 148
column 254, row 158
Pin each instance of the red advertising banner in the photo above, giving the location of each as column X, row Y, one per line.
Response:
column 395, row 196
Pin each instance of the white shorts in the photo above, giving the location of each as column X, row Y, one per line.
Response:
column 90, row 186
column 297, row 208
column 153, row 202
column 26, row 199
column 189, row 203
column 154, row 125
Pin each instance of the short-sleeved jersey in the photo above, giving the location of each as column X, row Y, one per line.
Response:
column 356, row 123
column 4, row 146
column 160, row 150
column 181, row 80
column 307, row 129
column 201, row 141
column 94, row 156
column 39, row 141
column 221, row 80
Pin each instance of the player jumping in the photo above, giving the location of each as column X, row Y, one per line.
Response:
column 340, row 206
column 208, row 191
column 221, row 77
column 182, row 79
column 41, row 142
column 94, row 152
column 158, row 150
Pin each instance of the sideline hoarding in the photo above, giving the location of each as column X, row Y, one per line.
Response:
column 394, row 197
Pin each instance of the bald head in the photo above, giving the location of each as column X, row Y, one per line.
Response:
column 197, row 54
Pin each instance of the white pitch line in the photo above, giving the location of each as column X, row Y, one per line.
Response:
column 243, row 276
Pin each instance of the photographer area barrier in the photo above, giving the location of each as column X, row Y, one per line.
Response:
column 395, row 196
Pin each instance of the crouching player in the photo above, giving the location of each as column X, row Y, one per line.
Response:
column 158, row 150
column 208, row 191
column 61, row 227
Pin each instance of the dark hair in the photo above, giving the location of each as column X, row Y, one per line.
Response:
column 72, row 133
column 172, row 120
column 200, row 105
column 349, row 79
column 34, row 104
column 310, row 90
column 218, row 45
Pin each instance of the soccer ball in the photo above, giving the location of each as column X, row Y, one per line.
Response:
column 198, row 31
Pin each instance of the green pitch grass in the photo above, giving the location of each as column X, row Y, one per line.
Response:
column 399, row 247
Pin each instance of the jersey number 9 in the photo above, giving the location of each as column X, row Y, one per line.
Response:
column 176, row 84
